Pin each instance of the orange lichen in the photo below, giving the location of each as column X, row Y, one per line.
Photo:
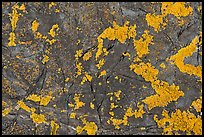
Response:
column 112, row 106
column 6, row 111
column 178, row 59
column 54, row 126
column 38, row 118
column 78, row 103
column 33, row 97
column 179, row 121
column 162, row 65
column 89, row 127
column 72, row 115
column 100, row 64
column 79, row 69
column 103, row 73
column 4, row 104
column 141, row 45
column 22, row 105
column 52, row 32
column 78, row 54
column 129, row 113
column 67, row 79
column 86, row 77
column 51, row 5
column 164, row 92
column 117, row 94
column 121, row 33
column 177, row 9
column 197, row 104
column 12, row 39
column 91, row 105
column 14, row 17
column 87, row 56
column 35, row 26
column 154, row 21
column 45, row 100
column 45, row 59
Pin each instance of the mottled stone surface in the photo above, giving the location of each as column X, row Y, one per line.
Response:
column 80, row 24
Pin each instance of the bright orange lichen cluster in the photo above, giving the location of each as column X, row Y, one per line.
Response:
column 197, row 104
column 177, row 9
column 54, row 126
column 164, row 92
column 179, row 121
column 14, row 17
column 43, row 100
column 121, row 33
column 129, row 113
column 178, row 59
column 141, row 45
column 89, row 127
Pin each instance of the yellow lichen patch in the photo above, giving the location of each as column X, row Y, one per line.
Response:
column 179, row 121
column 45, row 100
column 51, row 5
column 121, row 33
column 112, row 106
column 4, row 104
column 79, row 69
column 126, row 54
column 103, row 73
column 197, row 104
column 6, row 111
column 45, row 59
column 178, row 59
column 22, row 105
column 117, row 94
column 38, row 118
column 199, row 9
column 52, row 32
column 54, row 126
column 50, row 41
column 87, row 56
column 164, row 92
column 91, row 105
column 154, row 21
column 141, row 45
column 33, row 97
column 12, row 39
column 116, row 122
column 162, row 65
column 148, row 72
column 138, row 113
column 67, row 79
column 86, row 77
column 78, row 103
column 90, row 128
column 35, row 26
column 111, row 113
column 72, row 115
column 24, row 42
column 100, row 64
column 129, row 113
column 177, row 9
column 78, row 54
column 89, row 77
column 14, row 16
column 57, row 10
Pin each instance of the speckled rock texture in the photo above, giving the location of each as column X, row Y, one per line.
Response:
column 101, row 68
